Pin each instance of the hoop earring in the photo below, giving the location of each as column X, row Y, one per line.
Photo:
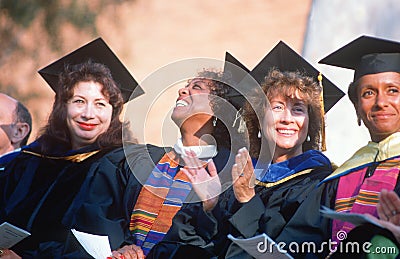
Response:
column 215, row 121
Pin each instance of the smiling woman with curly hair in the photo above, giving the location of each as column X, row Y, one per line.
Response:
column 204, row 123
column 79, row 152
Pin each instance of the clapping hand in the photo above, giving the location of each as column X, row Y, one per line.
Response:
column 388, row 211
column 389, row 207
column 206, row 184
column 388, row 225
column 243, row 176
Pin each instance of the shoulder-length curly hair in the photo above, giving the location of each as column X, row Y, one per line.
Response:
column 56, row 128
column 285, row 84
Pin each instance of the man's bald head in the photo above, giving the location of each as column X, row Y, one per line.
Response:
column 15, row 124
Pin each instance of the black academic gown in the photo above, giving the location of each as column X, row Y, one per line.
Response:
column 48, row 197
column 192, row 229
column 288, row 211
column 97, row 213
column 360, row 234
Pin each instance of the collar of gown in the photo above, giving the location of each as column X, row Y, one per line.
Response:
column 77, row 155
column 372, row 152
column 202, row 152
column 278, row 171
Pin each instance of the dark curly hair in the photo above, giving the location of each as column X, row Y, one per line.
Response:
column 220, row 85
column 285, row 84
column 56, row 128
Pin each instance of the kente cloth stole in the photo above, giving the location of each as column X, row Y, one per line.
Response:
column 159, row 200
column 357, row 194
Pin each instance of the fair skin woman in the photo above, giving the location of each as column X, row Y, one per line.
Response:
column 88, row 115
column 287, row 123
column 83, row 127
column 280, row 189
column 286, row 178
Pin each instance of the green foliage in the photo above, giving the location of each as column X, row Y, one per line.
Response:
column 55, row 13
column 17, row 16
column 21, row 12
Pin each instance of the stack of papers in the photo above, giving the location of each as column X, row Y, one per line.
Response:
column 11, row 235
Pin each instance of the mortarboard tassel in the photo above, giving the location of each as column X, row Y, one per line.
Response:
column 242, row 124
column 323, row 143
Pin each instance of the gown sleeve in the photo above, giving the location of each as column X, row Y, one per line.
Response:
column 286, row 214
column 106, row 200
column 247, row 223
column 192, row 225
column 194, row 231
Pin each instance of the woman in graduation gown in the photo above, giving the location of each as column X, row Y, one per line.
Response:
column 374, row 93
column 285, row 202
column 167, row 190
column 82, row 141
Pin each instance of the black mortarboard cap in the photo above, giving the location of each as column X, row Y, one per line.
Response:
column 366, row 55
column 238, row 72
column 97, row 51
column 284, row 58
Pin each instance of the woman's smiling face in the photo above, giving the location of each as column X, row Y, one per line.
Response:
column 193, row 102
column 379, row 103
column 286, row 122
column 88, row 114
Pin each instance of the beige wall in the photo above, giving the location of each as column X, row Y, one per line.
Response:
column 158, row 33
column 149, row 34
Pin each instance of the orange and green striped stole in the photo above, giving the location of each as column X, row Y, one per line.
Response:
column 160, row 198
column 357, row 193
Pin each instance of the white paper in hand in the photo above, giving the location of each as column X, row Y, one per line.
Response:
column 354, row 218
column 96, row 246
column 11, row 235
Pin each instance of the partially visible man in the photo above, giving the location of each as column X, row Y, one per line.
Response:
column 15, row 125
